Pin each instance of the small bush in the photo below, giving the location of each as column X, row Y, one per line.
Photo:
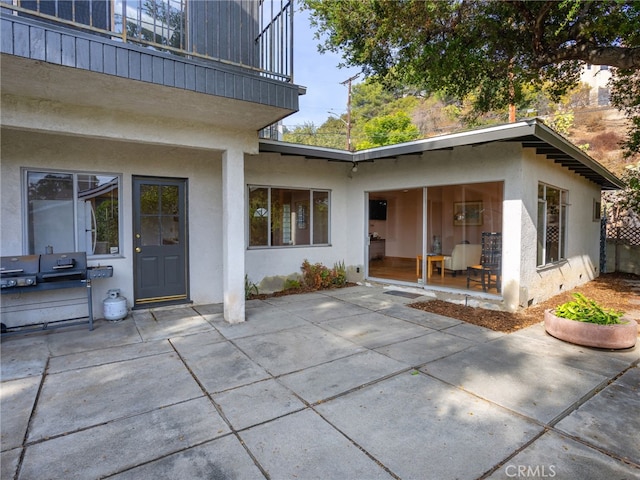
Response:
column 584, row 309
column 250, row 288
column 291, row 284
column 317, row 276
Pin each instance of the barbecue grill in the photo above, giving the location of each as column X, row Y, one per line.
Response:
column 32, row 273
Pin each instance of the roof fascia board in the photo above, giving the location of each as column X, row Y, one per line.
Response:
column 554, row 139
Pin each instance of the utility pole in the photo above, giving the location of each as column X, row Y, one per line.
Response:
column 348, row 82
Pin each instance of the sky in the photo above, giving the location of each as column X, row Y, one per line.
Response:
column 319, row 73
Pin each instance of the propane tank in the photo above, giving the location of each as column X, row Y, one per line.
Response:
column 115, row 306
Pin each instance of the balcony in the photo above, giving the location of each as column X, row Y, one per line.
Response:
column 237, row 49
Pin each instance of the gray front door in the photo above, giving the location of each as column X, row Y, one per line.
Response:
column 160, row 241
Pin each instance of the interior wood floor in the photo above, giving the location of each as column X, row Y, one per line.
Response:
column 404, row 270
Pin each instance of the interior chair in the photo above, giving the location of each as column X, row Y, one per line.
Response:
column 490, row 267
column 463, row 255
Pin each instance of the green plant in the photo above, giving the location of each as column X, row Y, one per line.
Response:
column 317, row 276
column 250, row 288
column 584, row 309
column 291, row 284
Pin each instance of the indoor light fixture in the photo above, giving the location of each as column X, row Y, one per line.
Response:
column 355, row 167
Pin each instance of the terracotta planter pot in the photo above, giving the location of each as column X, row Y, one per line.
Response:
column 591, row 334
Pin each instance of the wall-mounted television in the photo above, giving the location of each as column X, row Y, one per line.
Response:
column 377, row 209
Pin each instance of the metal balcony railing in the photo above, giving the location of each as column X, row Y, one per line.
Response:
column 252, row 34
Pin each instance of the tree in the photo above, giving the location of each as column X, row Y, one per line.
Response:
column 494, row 50
column 388, row 130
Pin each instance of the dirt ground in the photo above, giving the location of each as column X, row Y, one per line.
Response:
column 609, row 290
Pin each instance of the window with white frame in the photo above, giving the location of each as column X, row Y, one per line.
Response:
column 552, row 224
column 72, row 212
column 288, row 217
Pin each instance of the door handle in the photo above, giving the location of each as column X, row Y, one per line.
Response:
column 138, row 249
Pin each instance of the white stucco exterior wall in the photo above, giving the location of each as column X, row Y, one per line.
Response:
column 202, row 168
column 273, row 170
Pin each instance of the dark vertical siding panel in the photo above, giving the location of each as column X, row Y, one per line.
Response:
column 230, row 85
column 21, row 40
column 82, row 54
column 134, row 65
column 37, row 43
column 97, row 56
column 273, row 91
column 69, row 50
column 263, row 92
column 201, row 79
column 6, row 35
column 156, row 71
column 190, row 76
column 122, row 62
column 169, row 76
column 146, row 68
column 53, row 47
column 179, row 74
column 109, row 55
column 215, row 82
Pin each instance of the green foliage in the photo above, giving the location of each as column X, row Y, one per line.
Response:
column 250, row 288
column 630, row 195
column 494, row 52
column 317, row 276
column 584, row 309
column 388, row 130
column 291, row 284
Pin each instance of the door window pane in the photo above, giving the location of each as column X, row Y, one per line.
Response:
column 170, row 230
column 170, row 200
column 149, row 199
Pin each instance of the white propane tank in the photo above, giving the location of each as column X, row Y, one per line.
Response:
column 115, row 306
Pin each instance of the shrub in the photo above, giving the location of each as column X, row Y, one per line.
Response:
column 250, row 288
column 317, row 276
column 584, row 309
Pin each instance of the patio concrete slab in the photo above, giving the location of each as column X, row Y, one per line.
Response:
column 418, row 427
column 160, row 325
column 304, row 446
column 104, row 334
column 9, row 461
column 374, row 330
column 610, row 418
column 220, row 366
column 257, row 403
column 324, row 381
column 556, row 456
column 606, row 362
column 502, row 373
column 296, row 348
column 17, row 399
column 104, row 356
column 258, row 322
column 323, row 309
column 24, row 356
column 223, row 458
column 473, row 332
column 308, row 402
column 414, row 315
column 427, row 348
column 124, row 443
column 78, row 399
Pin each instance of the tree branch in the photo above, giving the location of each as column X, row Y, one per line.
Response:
column 619, row 57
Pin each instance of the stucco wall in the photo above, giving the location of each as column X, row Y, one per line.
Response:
column 583, row 244
column 262, row 264
column 201, row 168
